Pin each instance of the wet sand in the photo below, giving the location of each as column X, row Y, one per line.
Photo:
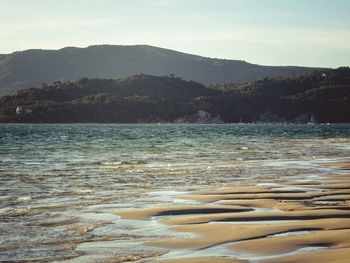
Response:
column 284, row 221
column 206, row 259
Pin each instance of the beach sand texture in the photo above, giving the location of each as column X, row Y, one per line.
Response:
column 284, row 221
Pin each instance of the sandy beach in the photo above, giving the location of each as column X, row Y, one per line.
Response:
column 279, row 221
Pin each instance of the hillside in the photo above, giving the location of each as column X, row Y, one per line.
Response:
column 324, row 95
column 30, row 68
column 139, row 98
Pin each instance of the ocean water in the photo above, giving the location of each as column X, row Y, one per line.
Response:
column 61, row 183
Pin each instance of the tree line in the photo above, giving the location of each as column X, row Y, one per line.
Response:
column 144, row 98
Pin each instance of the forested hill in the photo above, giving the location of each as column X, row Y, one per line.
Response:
column 30, row 68
column 324, row 95
column 139, row 98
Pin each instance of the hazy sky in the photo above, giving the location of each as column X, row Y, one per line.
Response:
column 268, row 32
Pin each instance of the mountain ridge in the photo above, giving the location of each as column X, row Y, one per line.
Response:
column 29, row 68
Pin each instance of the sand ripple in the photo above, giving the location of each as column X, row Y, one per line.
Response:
column 306, row 221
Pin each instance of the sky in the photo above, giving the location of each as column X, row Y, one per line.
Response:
column 313, row 33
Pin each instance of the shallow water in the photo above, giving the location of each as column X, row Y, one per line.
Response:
column 60, row 183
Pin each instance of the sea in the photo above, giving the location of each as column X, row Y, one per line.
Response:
column 61, row 184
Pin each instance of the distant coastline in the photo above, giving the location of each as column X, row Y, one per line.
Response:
column 315, row 97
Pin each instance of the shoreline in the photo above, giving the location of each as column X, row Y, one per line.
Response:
column 187, row 183
column 284, row 221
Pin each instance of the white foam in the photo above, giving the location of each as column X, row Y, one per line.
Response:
column 23, row 198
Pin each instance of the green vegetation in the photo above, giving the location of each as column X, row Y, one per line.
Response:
column 144, row 98
column 326, row 93
column 25, row 69
column 138, row 98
